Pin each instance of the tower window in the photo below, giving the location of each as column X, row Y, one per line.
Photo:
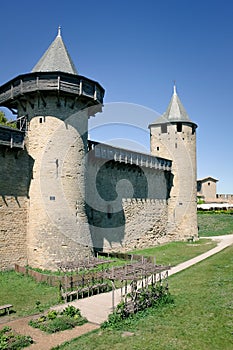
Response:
column 164, row 128
column 42, row 120
column 109, row 211
column 158, row 148
column 176, row 145
column 199, row 186
column 179, row 127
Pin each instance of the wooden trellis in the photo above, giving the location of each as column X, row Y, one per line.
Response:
column 135, row 278
column 135, row 275
column 82, row 282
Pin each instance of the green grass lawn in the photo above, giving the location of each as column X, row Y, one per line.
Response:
column 201, row 317
column 23, row 293
column 214, row 224
column 176, row 252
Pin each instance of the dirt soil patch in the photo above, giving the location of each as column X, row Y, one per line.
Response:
column 44, row 341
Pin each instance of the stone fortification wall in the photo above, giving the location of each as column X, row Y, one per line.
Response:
column 126, row 205
column 145, row 222
column 14, row 184
column 43, row 198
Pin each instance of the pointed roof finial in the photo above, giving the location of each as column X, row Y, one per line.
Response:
column 174, row 88
column 175, row 111
column 56, row 58
column 59, row 31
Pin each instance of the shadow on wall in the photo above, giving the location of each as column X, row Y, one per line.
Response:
column 113, row 182
column 16, row 169
column 15, row 179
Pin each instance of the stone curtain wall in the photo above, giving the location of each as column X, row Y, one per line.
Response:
column 13, row 218
column 145, row 223
column 14, row 184
column 126, row 205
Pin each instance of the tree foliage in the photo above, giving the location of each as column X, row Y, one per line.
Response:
column 3, row 119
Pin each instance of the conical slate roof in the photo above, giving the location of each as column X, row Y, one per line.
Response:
column 175, row 111
column 56, row 58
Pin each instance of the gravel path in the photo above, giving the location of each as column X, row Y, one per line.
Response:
column 222, row 243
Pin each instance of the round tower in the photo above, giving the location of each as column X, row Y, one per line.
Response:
column 56, row 102
column 173, row 136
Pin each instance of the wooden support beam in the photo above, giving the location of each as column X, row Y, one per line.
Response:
column 29, row 101
column 17, row 153
column 58, row 99
column 42, row 98
column 22, row 105
column 73, row 103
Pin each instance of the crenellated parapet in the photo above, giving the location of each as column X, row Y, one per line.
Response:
column 144, row 201
column 107, row 153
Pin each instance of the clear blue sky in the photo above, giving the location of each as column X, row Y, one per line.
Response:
column 135, row 49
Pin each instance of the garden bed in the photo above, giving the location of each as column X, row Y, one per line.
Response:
column 10, row 340
column 55, row 321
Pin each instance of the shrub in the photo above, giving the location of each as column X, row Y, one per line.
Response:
column 152, row 297
column 58, row 324
column 10, row 340
column 71, row 311
column 52, row 314
column 38, row 306
column 53, row 322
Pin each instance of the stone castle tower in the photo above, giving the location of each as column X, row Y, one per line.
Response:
column 56, row 103
column 173, row 136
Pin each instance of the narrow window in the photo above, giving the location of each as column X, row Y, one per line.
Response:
column 157, row 148
column 179, row 127
column 40, row 120
column 176, row 145
column 109, row 212
column 208, row 183
column 164, row 128
column 193, row 129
